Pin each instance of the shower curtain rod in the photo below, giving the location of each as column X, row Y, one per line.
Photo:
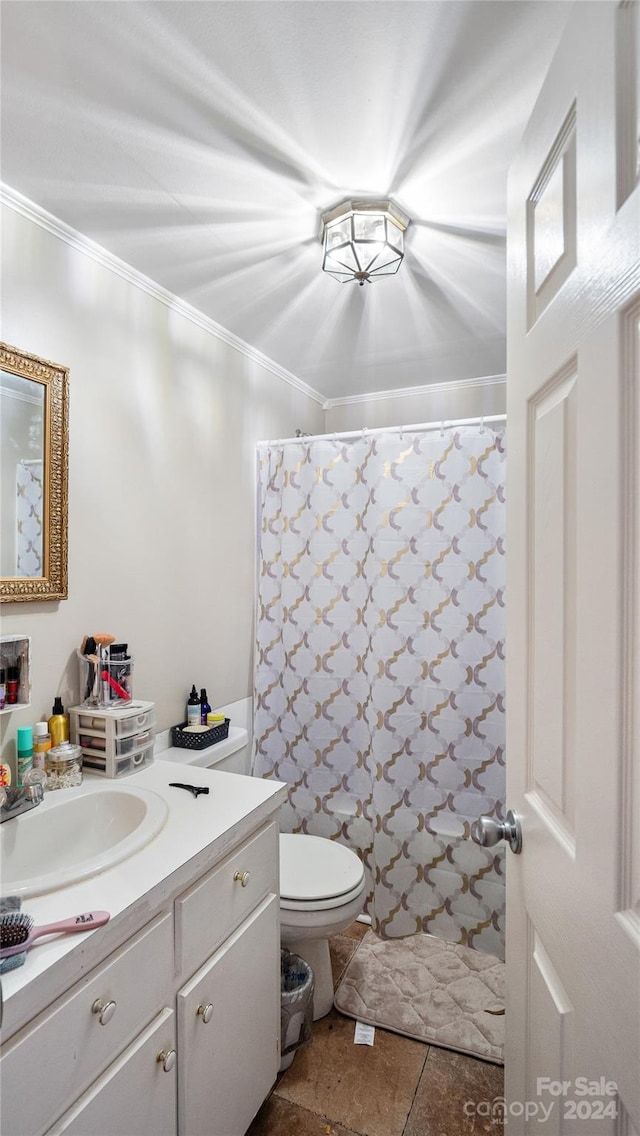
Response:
column 365, row 432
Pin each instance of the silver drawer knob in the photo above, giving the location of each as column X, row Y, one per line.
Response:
column 205, row 1012
column 167, row 1059
column 241, row 878
column 104, row 1009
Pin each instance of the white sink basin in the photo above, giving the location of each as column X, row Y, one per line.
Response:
column 71, row 838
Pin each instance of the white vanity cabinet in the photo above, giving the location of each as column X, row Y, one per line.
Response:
column 176, row 1032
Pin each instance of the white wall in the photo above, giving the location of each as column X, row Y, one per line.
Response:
column 164, row 417
column 441, row 401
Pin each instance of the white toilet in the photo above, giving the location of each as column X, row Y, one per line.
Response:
column 321, row 881
column 321, row 893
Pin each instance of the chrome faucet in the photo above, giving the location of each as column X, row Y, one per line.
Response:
column 18, row 801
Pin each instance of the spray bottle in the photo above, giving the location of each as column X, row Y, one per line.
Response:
column 58, row 723
column 204, row 706
column 24, row 749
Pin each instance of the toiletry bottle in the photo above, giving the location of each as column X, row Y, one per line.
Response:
column 24, row 748
column 193, row 708
column 13, row 682
column 58, row 723
column 41, row 744
column 3, row 689
column 204, row 706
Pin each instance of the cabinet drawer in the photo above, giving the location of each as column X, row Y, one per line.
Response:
column 67, row 1047
column 137, row 1093
column 215, row 906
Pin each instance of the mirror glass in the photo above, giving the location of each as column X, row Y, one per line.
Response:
column 21, row 479
column 33, row 477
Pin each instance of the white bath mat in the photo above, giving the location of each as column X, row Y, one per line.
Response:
column 430, row 990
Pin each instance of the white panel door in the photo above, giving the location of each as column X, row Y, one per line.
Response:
column 573, row 562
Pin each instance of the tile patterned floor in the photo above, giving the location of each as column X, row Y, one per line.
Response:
column 397, row 1087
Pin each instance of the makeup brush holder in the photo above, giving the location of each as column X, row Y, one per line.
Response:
column 106, row 682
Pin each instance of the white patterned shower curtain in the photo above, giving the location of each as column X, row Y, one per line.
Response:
column 379, row 676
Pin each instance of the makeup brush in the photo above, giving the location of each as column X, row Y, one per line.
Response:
column 17, row 932
column 93, row 691
column 88, row 649
column 103, row 642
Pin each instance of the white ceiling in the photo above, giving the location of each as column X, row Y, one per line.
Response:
column 200, row 142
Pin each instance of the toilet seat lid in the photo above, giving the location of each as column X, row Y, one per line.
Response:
column 314, row 868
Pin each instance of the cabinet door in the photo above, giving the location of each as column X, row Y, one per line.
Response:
column 136, row 1094
column 229, row 1030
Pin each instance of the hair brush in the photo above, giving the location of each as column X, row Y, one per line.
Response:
column 17, row 932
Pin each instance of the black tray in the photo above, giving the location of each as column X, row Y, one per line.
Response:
column 200, row 740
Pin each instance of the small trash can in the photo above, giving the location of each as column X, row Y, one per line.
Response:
column 296, row 1005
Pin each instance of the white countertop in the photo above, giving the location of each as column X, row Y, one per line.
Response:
column 197, row 833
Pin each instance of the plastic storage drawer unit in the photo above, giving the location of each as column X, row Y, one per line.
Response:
column 115, row 741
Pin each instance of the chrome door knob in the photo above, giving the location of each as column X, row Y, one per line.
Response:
column 241, row 878
column 105, row 1010
column 489, row 832
column 205, row 1012
column 167, row 1059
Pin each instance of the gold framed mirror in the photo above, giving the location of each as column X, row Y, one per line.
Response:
column 34, row 439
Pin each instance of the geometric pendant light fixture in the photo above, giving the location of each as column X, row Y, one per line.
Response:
column 363, row 240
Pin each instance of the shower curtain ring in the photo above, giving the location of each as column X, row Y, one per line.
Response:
column 442, row 429
column 482, row 424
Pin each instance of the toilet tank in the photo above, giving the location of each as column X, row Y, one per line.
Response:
column 232, row 755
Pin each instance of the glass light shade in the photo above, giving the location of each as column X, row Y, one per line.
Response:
column 363, row 240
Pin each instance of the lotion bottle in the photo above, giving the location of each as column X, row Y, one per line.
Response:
column 41, row 744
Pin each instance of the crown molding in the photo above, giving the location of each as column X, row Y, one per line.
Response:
column 412, row 392
column 77, row 240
